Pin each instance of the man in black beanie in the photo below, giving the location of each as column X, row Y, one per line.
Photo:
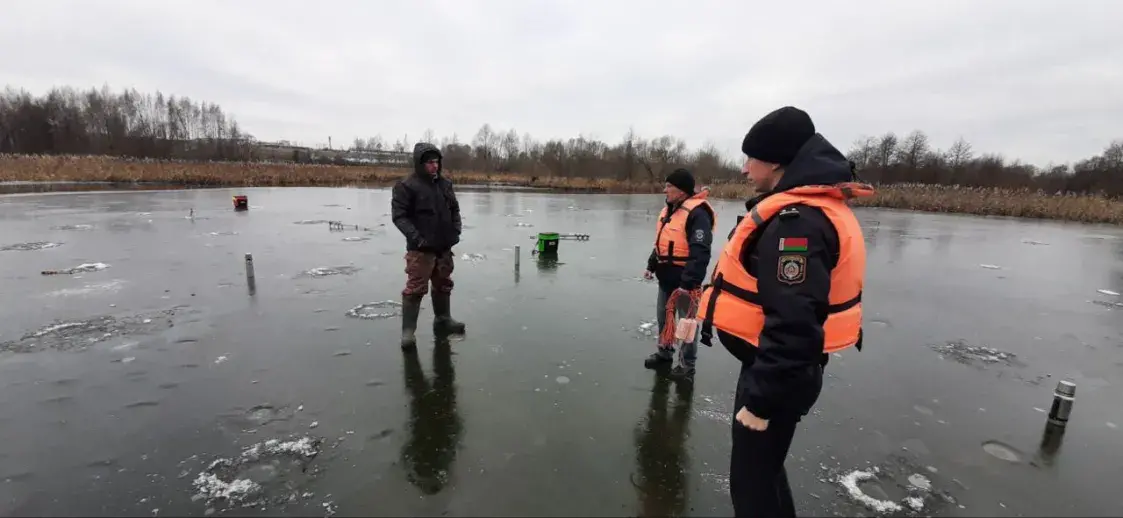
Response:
column 786, row 294
column 679, row 259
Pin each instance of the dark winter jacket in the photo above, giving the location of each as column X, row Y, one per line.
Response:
column 424, row 207
column 783, row 376
column 699, row 224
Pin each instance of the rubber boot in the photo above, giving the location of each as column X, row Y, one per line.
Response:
column 411, row 308
column 661, row 357
column 688, row 355
column 683, row 371
column 442, row 315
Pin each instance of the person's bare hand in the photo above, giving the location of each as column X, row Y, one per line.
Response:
column 648, row 275
column 750, row 421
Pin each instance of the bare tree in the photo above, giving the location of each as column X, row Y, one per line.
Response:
column 864, row 152
column 912, row 151
column 959, row 154
column 510, row 145
column 886, row 149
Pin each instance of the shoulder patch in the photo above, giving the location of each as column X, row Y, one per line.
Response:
column 699, row 236
column 791, row 269
column 789, row 213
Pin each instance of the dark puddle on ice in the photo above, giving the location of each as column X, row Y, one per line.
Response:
column 1002, row 451
column 381, row 434
column 265, row 414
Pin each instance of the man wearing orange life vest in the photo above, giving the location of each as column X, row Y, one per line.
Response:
column 785, row 293
column 683, row 234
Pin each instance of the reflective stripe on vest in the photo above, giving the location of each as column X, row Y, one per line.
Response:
column 733, row 297
column 670, row 233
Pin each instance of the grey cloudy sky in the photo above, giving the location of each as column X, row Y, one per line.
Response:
column 1033, row 79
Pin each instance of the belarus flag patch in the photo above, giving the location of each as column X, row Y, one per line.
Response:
column 793, row 244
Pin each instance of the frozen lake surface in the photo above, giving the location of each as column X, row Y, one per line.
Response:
column 140, row 377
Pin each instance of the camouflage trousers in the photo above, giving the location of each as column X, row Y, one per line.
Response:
column 425, row 267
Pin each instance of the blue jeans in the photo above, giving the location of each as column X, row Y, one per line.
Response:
column 689, row 352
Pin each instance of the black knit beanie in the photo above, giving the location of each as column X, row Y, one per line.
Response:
column 682, row 179
column 777, row 137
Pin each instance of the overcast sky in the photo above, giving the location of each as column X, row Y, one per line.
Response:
column 1031, row 79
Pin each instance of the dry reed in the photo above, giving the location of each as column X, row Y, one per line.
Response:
column 922, row 197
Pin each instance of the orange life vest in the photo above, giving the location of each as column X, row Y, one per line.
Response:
column 670, row 233
column 732, row 303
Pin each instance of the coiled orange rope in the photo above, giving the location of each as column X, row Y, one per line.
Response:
column 667, row 334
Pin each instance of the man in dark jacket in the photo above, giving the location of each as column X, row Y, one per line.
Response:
column 425, row 210
column 793, row 255
column 679, row 275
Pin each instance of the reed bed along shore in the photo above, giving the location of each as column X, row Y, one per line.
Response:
column 922, row 197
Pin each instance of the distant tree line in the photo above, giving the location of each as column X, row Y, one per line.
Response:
column 67, row 121
column 633, row 159
column 889, row 159
column 128, row 123
column 884, row 160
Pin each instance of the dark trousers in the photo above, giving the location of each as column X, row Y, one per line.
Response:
column 425, row 267
column 758, row 482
